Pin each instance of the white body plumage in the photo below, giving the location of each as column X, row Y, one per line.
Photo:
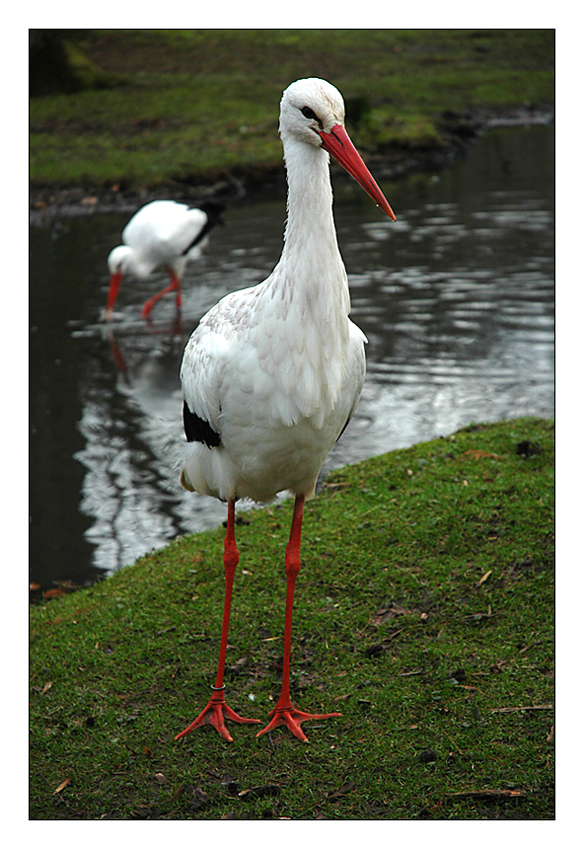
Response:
column 276, row 370
column 156, row 237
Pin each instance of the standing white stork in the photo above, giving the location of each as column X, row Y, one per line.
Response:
column 162, row 234
column 273, row 373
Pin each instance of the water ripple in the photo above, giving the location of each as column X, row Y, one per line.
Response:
column 456, row 299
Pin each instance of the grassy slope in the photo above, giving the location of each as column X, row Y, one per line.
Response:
column 201, row 104
column 424, row 613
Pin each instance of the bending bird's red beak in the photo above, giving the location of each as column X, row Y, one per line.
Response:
column 115, row 281
column 340, row 146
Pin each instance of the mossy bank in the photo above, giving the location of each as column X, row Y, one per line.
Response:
column 424, row 613
column 197, row 110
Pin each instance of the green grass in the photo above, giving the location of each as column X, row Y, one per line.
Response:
column 204, row 103
column 424, row 613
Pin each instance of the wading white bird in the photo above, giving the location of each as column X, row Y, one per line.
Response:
column 273, row 373
column 162, row 234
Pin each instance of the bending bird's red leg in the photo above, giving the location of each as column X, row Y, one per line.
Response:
column 284, row 713
column 217, row 708
column 174, row 285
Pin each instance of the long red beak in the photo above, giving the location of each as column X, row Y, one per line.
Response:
column 340, row 146
column 115, row 281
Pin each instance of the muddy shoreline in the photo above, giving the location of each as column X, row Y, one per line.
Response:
column 48, row 203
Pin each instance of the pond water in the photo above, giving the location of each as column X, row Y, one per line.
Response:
column 456, row 298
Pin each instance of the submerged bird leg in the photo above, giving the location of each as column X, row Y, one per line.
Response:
column 217, row 708
column 174, row 286
column 284, row 713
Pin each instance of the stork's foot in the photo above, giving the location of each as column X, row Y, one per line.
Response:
column 214, row 713
column 292, row 719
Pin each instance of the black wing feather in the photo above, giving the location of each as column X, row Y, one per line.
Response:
column 198, row 430
column 213, row 212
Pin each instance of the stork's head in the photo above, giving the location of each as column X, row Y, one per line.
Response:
column 118, row 263
column 119, row 259
column 310, row 107
column 312, row 111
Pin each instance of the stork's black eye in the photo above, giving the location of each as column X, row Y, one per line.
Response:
column 308, row 113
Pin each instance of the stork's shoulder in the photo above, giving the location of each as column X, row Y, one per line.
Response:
column 232, row 316
column 220, row 334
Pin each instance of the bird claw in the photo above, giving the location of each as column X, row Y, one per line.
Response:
column 214, row 713
column 292, row 719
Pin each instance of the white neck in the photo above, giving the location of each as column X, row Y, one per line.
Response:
column 310, row 235
column 306, row 302
column 310, row 199
column 310, row 264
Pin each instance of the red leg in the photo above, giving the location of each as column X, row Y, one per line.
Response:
column 217, row 708
column 174, row 286
column 284, row 713
column 115, row 281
